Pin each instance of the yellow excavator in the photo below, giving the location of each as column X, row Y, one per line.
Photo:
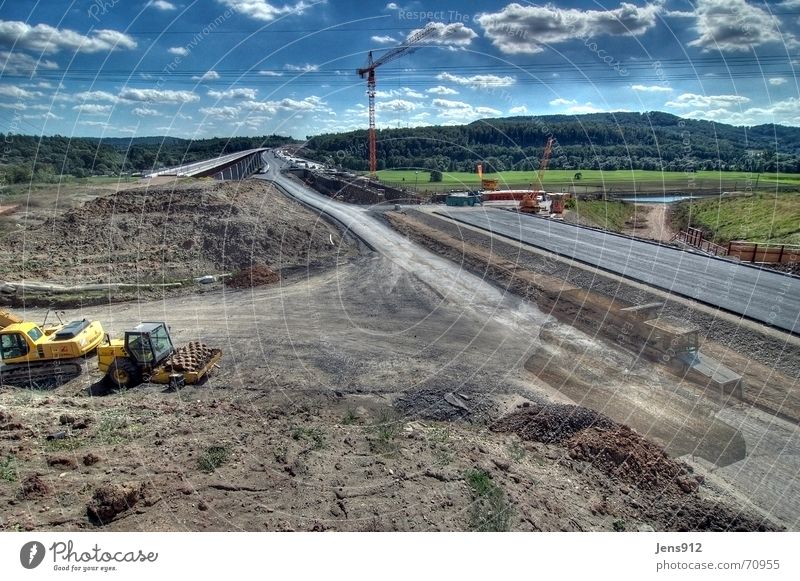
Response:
column 44, row 355
column 146, row 354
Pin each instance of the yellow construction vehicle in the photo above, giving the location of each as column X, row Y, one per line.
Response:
column 41, row 355
column 146, row 354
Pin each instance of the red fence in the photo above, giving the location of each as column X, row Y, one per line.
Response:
column 744, row 251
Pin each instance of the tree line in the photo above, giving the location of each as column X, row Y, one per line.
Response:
column 648, row 141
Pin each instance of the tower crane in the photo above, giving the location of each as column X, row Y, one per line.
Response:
column 368, row 72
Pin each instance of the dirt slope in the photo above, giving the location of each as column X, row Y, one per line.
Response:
column 172, row 232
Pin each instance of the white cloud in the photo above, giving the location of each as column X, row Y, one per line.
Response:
column 735, row 26
column 263, row 10
column 270, row 73
column 46, row 115
column 461, row 111
column 780, row 112
column 311, row 104
column 558, row 102
column 403, row 92
column 207, row 76
column 158, row 96
column 306, row 68
column 397, row 105
column 528, row 29
column 145, row 112
column 521, row 110
column 92, row 109
column 478, row 81
column 392, row 6
column 162, row 5
column 17, row 92
column 48, row 39
column 95, row 96
column 382, row 39
column 220, row 112
column 13, row 63
column 441, row 90
column 777, row 81
column 651, row 89
column 178, row 50
column 455, row 34
column 717, row 101
column 582, row 109
column 240, row 93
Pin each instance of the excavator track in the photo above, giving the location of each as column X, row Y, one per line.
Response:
column 44, row 375
column 189, row 358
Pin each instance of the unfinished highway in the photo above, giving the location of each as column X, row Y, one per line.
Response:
column 762, row 295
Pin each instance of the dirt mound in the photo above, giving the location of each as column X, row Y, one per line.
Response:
column 111, row 499
column 33, row 487
column 550, row 423
column 166, row 234
column 623, row 453
column 256, row 275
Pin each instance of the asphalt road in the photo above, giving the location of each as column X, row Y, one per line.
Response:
column 762, row 295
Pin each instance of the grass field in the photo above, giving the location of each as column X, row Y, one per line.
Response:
column 757, row 218
column 604, row 214
column 596, row 180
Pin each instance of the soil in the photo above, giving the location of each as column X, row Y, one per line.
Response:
column 256, row 275
column 551, row 423
column 173, row 233
column 650, row 221
column 351, row 396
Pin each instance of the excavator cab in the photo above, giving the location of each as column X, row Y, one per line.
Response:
column 149, row 344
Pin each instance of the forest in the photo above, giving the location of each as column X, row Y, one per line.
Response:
column 47, row 159
column 606, row 141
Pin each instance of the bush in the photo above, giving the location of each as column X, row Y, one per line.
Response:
column 436, row 175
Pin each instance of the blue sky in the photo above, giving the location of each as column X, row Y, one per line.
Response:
column 254, row 67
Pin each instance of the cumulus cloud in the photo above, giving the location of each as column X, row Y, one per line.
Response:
column 178, row 50
column 397, row 105
column 162, row 5
column 777, row 81
column 455, row 34
column 734, row 26
column 220, row 112
column 17, row 92
column 13, row 63
column 312, row 103
column 441, row 90
column 270, row 73
column 49, row 39
column 561, row 101
column 693, row 100
column 478, row 81
column 92, row 109
column 459, row 110
column 263, row 10
column 521, row 110
column 158, row 96
column 241, row 93
column 781, row 112
column 207, row 76
column 145, row 112
column 382, row 39
column 528, row 29
column 95, row 96
column 651, row 89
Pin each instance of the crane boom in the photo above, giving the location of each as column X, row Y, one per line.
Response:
column 410, row 45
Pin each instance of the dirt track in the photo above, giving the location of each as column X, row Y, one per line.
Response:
column 350, row 398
